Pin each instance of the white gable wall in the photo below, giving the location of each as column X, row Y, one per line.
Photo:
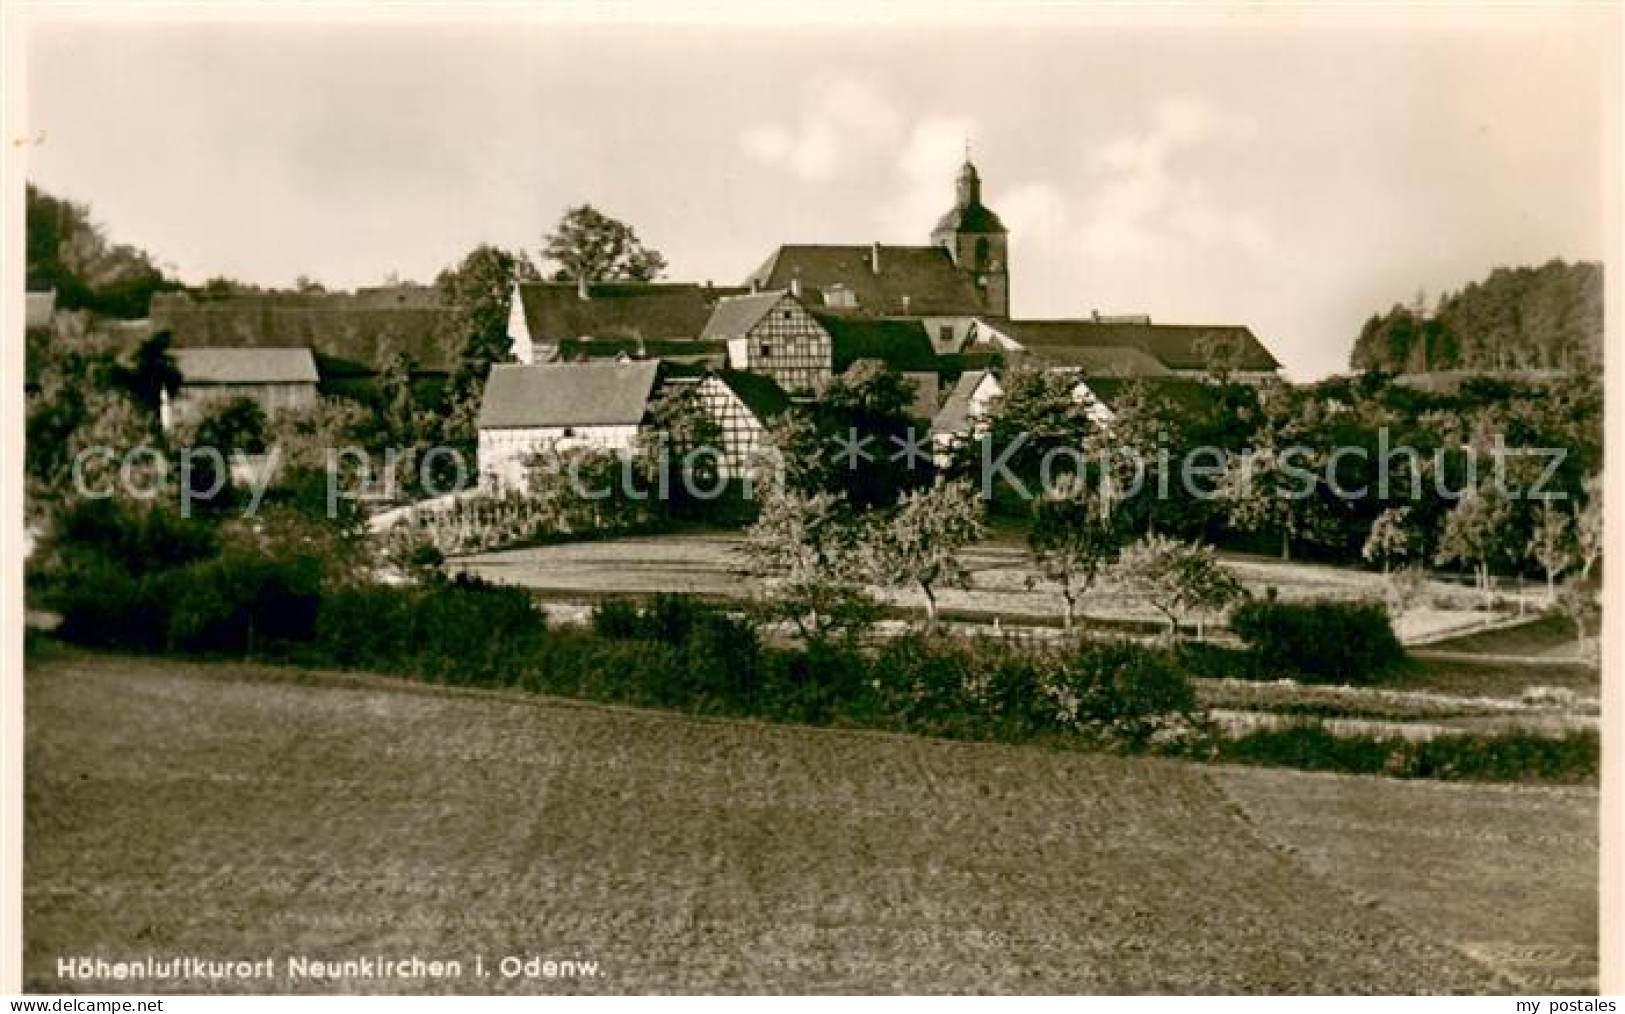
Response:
column 519, row 337
column 504, row 453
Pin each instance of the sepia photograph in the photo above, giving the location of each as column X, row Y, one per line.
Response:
column 921, row 499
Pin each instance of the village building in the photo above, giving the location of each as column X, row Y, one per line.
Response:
column 742, row 404
column 527, row 410
column 963, row 273
column 354, row 336
column 900, row 345
column 567, row 321
column 772, row 334
column 275, row 379
column 1132, row 347
column 964, row 413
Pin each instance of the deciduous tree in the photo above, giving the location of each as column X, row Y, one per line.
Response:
column 1073, row 539
column 808, row 553
column 1393, row 538
column 588, row 245
column 1176, row 578
column 1475, row 534
column 922, row 543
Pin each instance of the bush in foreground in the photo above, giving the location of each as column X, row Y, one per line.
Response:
column 1326, row 641
column 1503, row 757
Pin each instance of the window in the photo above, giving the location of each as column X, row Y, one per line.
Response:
column 786, row 314
column 945, row 334
column 569, row 431
column 767, row 350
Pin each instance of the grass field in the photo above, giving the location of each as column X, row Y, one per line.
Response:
column 234, row 811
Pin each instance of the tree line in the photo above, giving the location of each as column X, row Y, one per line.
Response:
column 1550, row 317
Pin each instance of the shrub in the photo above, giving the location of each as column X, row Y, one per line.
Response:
column 1325, row 641
column 104, row 606
column 1309, row 747
column 233, row 603
column 138, row 538
column 239, row 603
column 459, row 631
column 617, row 618
column 1508, row 757
column 1124, row 690
column 665, row 617
column 1505, row 757
column 1120, row 692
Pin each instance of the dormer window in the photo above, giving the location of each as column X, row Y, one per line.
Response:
column 840, row 297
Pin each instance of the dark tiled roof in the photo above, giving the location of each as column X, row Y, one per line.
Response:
column 349, row 332
column 1101, row 360
column 736, row 315
column 976, row 217
column 924, row 274
column 669, row 350
column 1176, row 346
column 901, row 344
column 555, row 311
column 245, row 366
column 760, row 393
column 567, row 394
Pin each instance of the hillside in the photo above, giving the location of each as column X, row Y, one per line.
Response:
column 1550, row 317
column 232, row 811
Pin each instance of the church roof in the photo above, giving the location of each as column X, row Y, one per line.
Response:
column 968, row 214
column 923, row 276
column 976, row 217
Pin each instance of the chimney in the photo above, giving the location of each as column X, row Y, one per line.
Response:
column 755, row 284
column 795, row 287
column 1094, row 315
column 874, row 257
column 582, row 291
column 905, row 305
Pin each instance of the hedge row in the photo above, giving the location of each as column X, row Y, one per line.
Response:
column 683, row 653
column 1502, row 757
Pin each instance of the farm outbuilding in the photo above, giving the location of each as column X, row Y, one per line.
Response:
column 559, row 406
column 276, row 379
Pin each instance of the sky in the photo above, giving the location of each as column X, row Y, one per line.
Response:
column 1292, row 171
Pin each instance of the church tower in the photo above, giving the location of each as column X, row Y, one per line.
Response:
column 977, row 241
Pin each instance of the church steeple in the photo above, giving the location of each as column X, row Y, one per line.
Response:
column 970, row 185
column 976, row 240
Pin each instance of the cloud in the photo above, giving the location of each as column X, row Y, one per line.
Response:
column 842, row 121
column 1034, row 210
column 925, row 168
column 1150, row 192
